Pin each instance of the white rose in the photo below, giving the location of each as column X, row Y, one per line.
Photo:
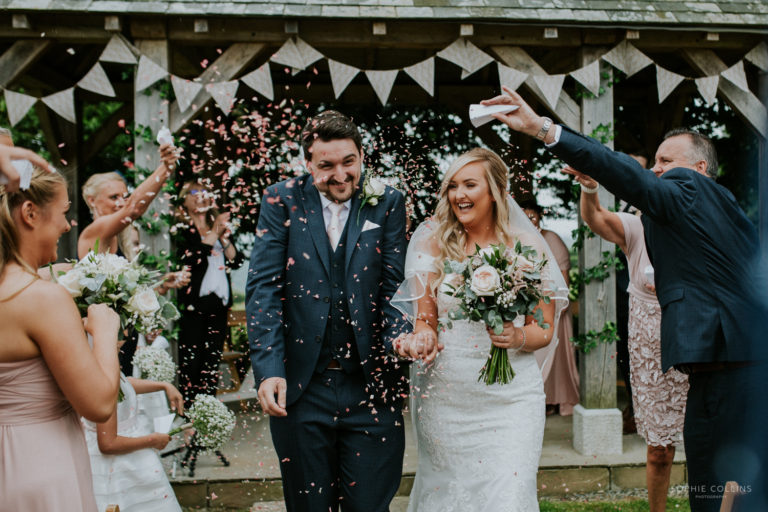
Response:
column 524, row 264
column 374, row 187
column 486, row 253
column 71, row 281
column 113, row 265
column 144, row 302
column 485, row 281
column 373, row 201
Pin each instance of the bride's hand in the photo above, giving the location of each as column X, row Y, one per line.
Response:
column 427, row 345
column 510, row 337
column 405, row 346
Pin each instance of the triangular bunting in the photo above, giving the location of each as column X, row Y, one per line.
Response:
column 63, row 103
column 589, row 77
column 510, row 77
column 666, row 82
column 707, row 87
column 735, row 74
column 289, row 55
column 759, row 56
column 185, row 91
column 382, row 82
column 626, row 58
column 308, row 54
column 423, row 73
column 148, row 73
column 117, row 50
column 465, row 55
column 341, row 75
column 224, row 94
column 18, row 105
column 96, row 80
column 550, row 86
column 260, row 81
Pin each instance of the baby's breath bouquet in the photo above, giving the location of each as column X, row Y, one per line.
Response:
column 126, row 286
column 498, row 284
column 212, row 421
column 154, row 364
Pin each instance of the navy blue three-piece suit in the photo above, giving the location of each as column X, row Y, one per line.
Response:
column 710, row 282
column 310, row 307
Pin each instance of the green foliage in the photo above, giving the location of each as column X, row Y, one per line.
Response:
column 581, row 233
column 27, row 133
column 600, row 271
column 590, row 340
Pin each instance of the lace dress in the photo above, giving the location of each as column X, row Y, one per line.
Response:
column 479, row 445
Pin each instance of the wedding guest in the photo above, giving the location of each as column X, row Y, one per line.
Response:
column 479, row 444
column 113, row 210
column 658, row 398
column 49, row 375
column 124, row 462
column 205, row 247
column 560, row 373
column 710, row 281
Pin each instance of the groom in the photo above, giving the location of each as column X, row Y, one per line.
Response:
column 328, row 257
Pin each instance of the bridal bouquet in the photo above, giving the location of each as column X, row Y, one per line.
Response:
column 498, row 284
column 126, row 286
column 154, row 364
column 212, row 421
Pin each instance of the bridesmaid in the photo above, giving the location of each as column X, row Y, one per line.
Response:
column 49, row 376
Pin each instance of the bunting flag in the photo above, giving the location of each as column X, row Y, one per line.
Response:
column 589, row 77
column 510, row 77
column 707, row 87
column 185, row 91
column 382, row 82
column 148, row 73
column 341, row 75
column 423, row 73
column 550, row 86
column 117, row 50
column 308, row 54
column 626, row 58
column 666, row 82
column 466, row 55
column 96, row 80
column 18, row 105
column 63, row 103
column 224, row 94
column 759, row 56
column 735, row 74
column 289, row 55
column 260, row 81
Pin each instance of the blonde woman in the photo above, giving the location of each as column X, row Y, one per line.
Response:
column 479, row 445
column 49, row 375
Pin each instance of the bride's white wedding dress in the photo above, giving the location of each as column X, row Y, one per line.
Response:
column 479, row 445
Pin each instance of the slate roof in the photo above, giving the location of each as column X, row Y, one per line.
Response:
column 722, row 13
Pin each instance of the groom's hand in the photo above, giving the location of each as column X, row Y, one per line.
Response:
column 524, row 119
column 271, row 387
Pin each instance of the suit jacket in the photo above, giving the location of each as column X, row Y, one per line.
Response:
column 288, row 289
column 704, row 250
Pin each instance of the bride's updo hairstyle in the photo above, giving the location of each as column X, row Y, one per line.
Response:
column 449, row 232
column 42, row 190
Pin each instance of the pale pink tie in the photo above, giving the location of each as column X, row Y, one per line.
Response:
column 334, row 227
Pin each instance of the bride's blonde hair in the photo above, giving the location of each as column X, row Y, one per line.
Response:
column 449, row 234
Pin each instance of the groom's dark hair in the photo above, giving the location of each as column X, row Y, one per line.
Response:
column 327, row 126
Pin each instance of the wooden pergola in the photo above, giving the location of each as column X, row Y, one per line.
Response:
column 49, row 46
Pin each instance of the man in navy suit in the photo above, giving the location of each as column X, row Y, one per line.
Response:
column 327, row 258
column 710, row 283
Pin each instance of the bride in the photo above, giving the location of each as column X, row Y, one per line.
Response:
column 479, row 445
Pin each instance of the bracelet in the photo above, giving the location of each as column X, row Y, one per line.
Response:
column 589, row 190
column 518, row 349
column 424, row 318
column 225, row 247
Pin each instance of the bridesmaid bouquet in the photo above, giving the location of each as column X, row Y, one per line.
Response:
column 498, row 284
column 212, row 421
column 154, row 364
column 126, row 286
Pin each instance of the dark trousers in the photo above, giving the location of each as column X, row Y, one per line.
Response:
column 726, row 437
column 336, row 450
column 201, row 341
column 127, row 351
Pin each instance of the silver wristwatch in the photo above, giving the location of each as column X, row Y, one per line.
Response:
column 544, row 128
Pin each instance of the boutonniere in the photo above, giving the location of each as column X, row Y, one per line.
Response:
column 373, row 189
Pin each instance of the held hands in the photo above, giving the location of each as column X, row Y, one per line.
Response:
column 101, row 318
column 418, row 345
column 268, row 390
column 523, row 120
column 580, row 177
column 510, row 337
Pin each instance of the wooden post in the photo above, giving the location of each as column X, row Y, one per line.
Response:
column 763, row 171
column 152, row 111
column 597, row 302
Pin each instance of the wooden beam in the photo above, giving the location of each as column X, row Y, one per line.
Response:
column 567, row 110
column 19, row 57
column 744, row 103
column 226, row 67
column 106, row 133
